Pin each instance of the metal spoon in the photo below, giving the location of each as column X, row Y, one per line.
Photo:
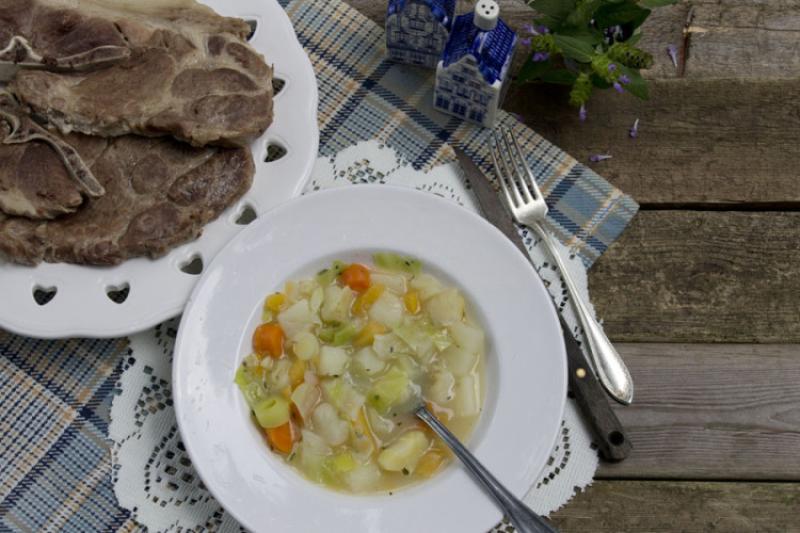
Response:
column 520, row 515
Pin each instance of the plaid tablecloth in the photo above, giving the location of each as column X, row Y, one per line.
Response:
column 55, row 467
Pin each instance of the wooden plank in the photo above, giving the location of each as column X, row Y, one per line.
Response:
column 698, row 276
column 699, row 141
column 737, row 39
column 514, row 12
column 745, row 39
column 711, row 411
column 640, row 506
column 664, row 26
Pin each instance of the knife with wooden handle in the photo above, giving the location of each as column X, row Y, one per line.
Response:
column 608, row 432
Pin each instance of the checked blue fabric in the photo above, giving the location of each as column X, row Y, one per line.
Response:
column 55, row 459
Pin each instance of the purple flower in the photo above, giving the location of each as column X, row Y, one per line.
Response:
column 596, row 158
column 672, row 50
column 618, row 87
column 525, row 41
column 612, row 67
column 634, row 131
column 542, row 29
column 624, row 79
column 582, row 113
column 541, row 56
column 527, row 28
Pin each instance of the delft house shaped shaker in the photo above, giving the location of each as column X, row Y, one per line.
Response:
column 472, row 76
column 417, row 30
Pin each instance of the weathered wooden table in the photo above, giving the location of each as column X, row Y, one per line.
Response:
column 702, row 292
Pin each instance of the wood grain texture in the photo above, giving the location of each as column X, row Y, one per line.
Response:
column 664, row 26
column 745, row 39
column 711, row 411
column 700, row 276
column 699, row 141
column 637, row 506
column 702, row 141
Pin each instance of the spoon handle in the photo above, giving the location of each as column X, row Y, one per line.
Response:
column 520, row 515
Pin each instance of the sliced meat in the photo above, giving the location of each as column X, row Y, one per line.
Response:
column 34, row 182
column 41, row 174
column 62, row 40
column 186, row 71
column 159, row 194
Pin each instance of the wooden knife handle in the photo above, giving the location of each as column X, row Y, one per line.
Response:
column 608, row 432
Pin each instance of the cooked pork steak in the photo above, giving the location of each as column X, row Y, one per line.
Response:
column 41, row 175
column 35, row 183
column 187, row 71
column 62, row 40
column 159, row 193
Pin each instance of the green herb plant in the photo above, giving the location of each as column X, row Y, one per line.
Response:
column 588, row 44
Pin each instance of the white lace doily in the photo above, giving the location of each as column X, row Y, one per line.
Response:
column 153, row 476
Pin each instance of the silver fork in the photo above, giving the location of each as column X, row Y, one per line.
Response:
column 528, row 207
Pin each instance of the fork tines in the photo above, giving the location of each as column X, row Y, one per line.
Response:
column 513, row 172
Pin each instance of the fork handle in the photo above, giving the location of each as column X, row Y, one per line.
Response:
column 522, row 517
column 610, row 367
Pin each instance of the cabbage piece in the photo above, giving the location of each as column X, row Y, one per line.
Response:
column 313, row 451
column 328, row 275
column 296, row 319
column 305, row 346
column 290, row 290
column 314, row 443
column 272, row 412
column 423, row 338
column 361, row 437
column 404, row 453
column 315, row 300
column 332, row 360
column 363, row 478
column 391, row 389
column 387, row 309
column 389, row 346
column 468, row 337
column 252, row 360
column 250, row 385
column 279, row 376
column 459, row 361
column 467, row 397
column 426, row 285
column 341, row 463
column 395, row 262
column 367, row 362
column 326, row 334
column 382, row 427
column 393, row 282
column 328, row 425
column 411, row 367
column 306, row 287
column 343, row 396
column 345, row 334
column 336, row 303
column 446, row 307
column 441, row 388
column 305, row 398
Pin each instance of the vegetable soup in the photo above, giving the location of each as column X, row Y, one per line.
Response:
column 341, row 361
